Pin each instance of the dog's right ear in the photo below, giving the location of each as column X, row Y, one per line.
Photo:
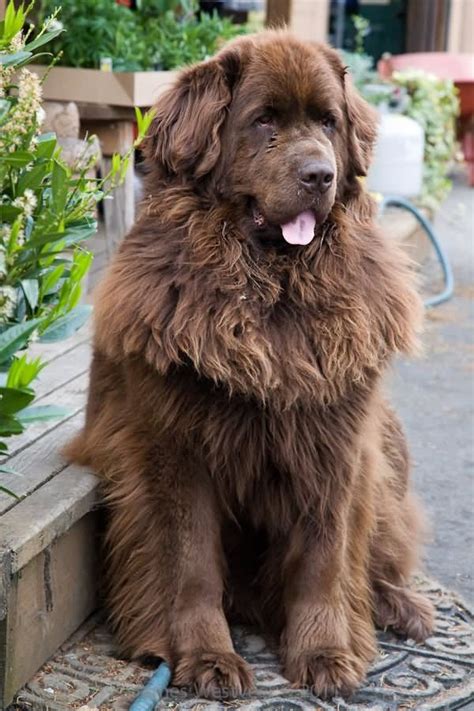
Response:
column 362, row 129
column 184, row 137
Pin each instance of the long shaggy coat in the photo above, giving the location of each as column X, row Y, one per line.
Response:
column 251, row 465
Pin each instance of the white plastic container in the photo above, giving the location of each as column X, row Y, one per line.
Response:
column 397, row 166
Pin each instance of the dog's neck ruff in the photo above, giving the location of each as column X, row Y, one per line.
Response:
column 297, row 328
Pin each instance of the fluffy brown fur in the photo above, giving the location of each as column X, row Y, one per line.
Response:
column 250, row 463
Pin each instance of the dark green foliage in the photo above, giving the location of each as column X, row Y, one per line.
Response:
column 160, row 34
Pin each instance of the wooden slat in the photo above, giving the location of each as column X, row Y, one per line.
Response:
column 61, row 370
column 51, row 351
column 92, row 86
column 72, row 397
column 50, row 512
column 39, row 462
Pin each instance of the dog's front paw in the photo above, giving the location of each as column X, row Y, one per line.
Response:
column 214, row 675
column 406, row 611
column 327, row 672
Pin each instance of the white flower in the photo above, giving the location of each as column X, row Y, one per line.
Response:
column 17, row 42
column 52, row 24
column 30, row 201
column 40, row 116
column 8, row 300
column 3, row 264
column 5, row 232
column 27, row 202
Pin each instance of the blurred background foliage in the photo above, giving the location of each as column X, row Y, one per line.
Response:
column 158, row 34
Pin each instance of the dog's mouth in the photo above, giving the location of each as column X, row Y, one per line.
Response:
column 299, row 230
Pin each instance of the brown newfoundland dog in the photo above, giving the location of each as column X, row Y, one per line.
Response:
column 251, row 465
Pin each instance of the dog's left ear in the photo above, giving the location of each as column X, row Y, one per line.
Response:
column 184, row 137
column 362, row 129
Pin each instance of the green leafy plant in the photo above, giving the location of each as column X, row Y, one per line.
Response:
column 46, row 214
column 178, row 42
column 434, row 104
column 430, row 101
column 159, row 34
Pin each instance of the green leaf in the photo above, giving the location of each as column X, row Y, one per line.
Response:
column 65, row 326
column 14, row 399
column 42, row 413
column 15, row 337
column 32, row 178
column 43, row 39
column 46, row 145
column 9, row 492
column 51, row 278
column 4, row 108
column 22, row 371
column 6, row 470
column 17, row 159
column 8, row 60
column 31, row 291
column 59, row 186
column 8, row 213
column 10, row 426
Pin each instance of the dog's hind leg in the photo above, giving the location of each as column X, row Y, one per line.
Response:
column 166, row 566
column 395, row 544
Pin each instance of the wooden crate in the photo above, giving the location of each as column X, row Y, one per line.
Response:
column 48, row 552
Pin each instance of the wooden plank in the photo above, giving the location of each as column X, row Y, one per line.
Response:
column 39, row 462
column 50, row 512
column 72, row 397
column 309, row 19
column 50, row 351
column 119, row 213
column 62, row 369
column 48, row 600
column 92, row 86
column 278, row 12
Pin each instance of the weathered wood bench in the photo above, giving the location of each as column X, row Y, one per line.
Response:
column 47, row 547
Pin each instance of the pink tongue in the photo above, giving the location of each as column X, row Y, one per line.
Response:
column 301, row 229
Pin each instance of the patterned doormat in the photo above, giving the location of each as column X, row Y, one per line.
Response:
column 86, row 676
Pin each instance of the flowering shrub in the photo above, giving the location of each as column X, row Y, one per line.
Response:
column 46, row 213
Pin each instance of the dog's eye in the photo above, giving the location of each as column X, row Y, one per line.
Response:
column 265, row 120
column 329, row 122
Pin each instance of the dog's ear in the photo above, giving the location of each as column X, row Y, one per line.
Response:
column 184, row 137
column 362, row 129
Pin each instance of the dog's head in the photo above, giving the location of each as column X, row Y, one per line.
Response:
column 273, row 126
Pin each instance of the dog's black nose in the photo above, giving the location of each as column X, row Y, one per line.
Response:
column 316, row 175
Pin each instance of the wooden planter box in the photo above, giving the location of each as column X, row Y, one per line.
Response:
column 48, row 538
column 92, row 86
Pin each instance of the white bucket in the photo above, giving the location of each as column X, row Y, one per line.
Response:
column 397, row 166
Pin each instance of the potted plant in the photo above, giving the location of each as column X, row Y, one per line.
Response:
column 138, row 49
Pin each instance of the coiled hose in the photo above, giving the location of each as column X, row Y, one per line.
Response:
column 153, row 691
column 447, row 292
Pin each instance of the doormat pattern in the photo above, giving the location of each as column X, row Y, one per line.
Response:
column 438, row 675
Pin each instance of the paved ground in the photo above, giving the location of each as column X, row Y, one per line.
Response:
column 435, row 397
column 86, row 675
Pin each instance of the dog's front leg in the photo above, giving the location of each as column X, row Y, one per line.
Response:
column 326, row 602
column 166, row 567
